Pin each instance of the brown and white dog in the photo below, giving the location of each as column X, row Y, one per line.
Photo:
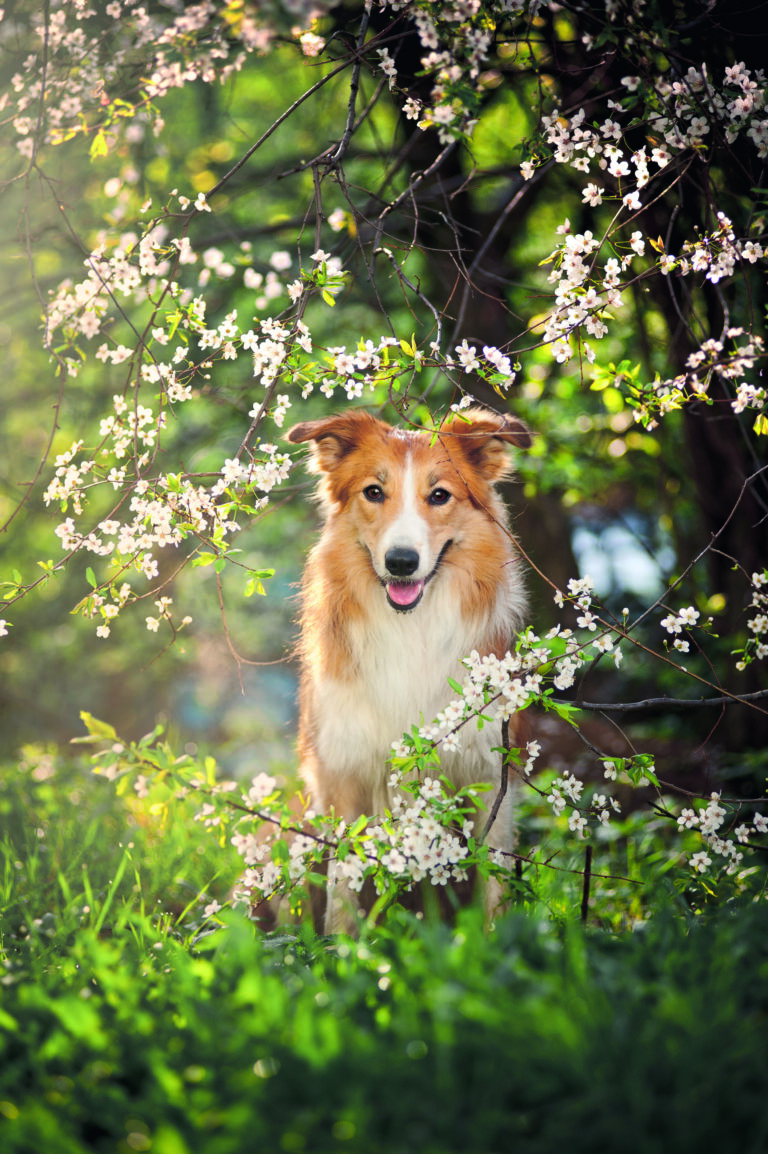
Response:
column 414, row 569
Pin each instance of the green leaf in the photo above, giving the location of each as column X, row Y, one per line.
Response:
column 122, row 108
column 7, row 1022
column 280, row 852
column 255, row 583
column 174, row 320
column 96, row 728
column 98, row 145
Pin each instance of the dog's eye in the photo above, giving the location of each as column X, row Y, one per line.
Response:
column 373, row 493
column 438, row 497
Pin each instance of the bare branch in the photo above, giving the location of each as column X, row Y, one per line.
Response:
column 503, row 784
column 651, row 703
column 337, row 156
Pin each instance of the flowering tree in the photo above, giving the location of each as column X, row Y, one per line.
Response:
column 556, row 209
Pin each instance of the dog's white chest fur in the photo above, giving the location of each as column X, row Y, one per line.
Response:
column 401, row 664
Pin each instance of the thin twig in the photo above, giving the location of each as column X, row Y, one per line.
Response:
column 520, row 191
column 503, row 784
column 659, row 601
column 416, row 291
column 587, row 880
column 413, row 184
column 274, row 127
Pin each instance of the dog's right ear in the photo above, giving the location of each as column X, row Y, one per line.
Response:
column 332, row 437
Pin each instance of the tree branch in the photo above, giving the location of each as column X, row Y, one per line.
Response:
column 664, row 703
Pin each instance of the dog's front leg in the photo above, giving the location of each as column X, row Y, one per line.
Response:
column 342, row 908
column 344, row 797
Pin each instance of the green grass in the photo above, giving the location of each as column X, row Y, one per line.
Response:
column 127, row 1024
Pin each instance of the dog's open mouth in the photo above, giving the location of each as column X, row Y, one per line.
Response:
column 404, row 594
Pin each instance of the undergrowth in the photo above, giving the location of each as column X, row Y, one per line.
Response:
column 131, row 1019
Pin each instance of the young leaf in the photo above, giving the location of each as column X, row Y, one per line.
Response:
column 98, row 145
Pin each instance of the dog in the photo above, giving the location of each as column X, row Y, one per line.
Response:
column 414, row 569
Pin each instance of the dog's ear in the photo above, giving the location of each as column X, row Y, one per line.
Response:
column 333, row 437
column 480, row 436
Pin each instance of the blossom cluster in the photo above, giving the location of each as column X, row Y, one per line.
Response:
column 174, row 356
column 588, row 287
column 160, row 268
column 592, row 269
column 423, row 836
column 88, row 85
column 493, row 360
column 496, row 687
column 163, row 514
column 713, row 356
column 412, row 844
column 690, row 107
column 567, row 790
column 505, row 685
column 757, row 645
column 456, row 40
column 426, row 834
column 676, row 623
column 501, row 686
column 709, row 822
column 680, row 114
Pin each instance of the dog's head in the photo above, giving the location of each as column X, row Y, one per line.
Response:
column 412, row 499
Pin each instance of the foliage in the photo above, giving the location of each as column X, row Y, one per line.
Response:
column 131, row 1025
column 429, row 835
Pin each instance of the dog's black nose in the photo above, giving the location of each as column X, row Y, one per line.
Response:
column 401, row 562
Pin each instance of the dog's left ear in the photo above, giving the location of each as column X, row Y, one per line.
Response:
column 481, row 435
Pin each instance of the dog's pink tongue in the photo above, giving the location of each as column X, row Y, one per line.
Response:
column 405, row 593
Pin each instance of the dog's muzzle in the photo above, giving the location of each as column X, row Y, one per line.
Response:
column 403, row 592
